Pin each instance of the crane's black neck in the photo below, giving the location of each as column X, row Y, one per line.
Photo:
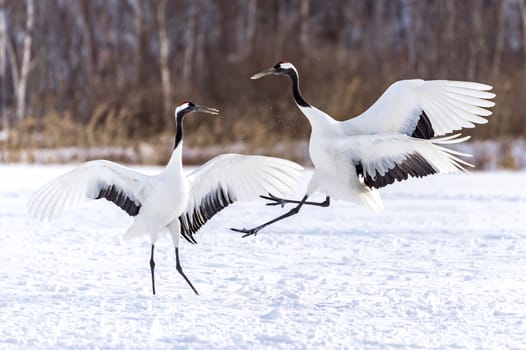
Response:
column 179, row 132
column 296, row 93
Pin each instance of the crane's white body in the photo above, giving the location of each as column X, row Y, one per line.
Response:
column 330, row 152
column 170, row 200
column 380, row 138
column 164, row 200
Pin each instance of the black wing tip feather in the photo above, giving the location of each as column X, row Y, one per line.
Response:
column 423, row 129
column 113, row 194
column 210, row 205
column 413, row 165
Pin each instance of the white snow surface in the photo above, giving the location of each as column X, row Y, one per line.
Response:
column 444, row 266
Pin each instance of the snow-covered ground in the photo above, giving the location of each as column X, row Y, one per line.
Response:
column 444, row 266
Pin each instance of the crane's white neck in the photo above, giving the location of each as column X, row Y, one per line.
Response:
column 319, row 120
column 176, row 159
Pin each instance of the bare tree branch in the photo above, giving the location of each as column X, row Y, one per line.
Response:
column 164, row 55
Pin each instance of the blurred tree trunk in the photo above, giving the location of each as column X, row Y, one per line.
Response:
column 118, row 49
column 449, row 34
column 245, row 31
column 345, row 36
column 25, row 67
column 285, row 21
column 409, row 25
column 89, row 40
column 87, row 64
column 476, row 45
column 251, row 25
column 189, row 36
column 200, row 48
column 379, row 44
column 3, row 65
column 304, row 15
column 522, row 6
column 138, row 29
column 164, row 55
column 421, row 40
column 499, row 37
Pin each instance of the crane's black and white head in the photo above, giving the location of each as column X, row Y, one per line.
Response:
column 283, row 67
column 188, row 107
column 286, row 68
column 183, row 109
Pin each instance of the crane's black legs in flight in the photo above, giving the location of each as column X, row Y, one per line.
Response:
column 281, row 201
column 254, row 231
column 180, row 270
column 152, row 267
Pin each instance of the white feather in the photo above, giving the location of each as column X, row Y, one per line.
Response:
column 380, row 153
column 81, row 185
column 449, row 105
column 244, row 177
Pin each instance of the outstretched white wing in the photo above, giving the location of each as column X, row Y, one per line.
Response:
column 231, row 177
column 383, row 159
column 424, row 109
column 91, row 180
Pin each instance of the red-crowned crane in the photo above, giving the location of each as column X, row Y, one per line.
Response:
column 392, row 140
column 170, row 200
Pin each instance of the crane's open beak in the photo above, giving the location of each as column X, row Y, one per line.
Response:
column 263, row 73
column 208, row 110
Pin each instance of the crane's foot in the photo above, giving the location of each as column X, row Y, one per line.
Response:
column 254, row 231
column 275, row 200
column 282, row 201
column 246, row 232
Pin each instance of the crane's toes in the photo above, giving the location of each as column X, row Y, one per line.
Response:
column 245, row 231
column 274, row 200
column 250, row 233
column 277, row 203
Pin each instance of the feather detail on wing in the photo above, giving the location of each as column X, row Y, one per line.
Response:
column 232, row 177
column 92, row 180
column 424, row 109
column 382, row 160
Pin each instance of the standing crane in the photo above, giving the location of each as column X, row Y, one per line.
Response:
column 396, row 138
column 169, row 200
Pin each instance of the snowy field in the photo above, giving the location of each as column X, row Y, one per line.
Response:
column 444, row 266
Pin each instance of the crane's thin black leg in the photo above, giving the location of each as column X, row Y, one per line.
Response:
column 282, row 201
column 180, row 270
column 254, row 231
column 152, row 268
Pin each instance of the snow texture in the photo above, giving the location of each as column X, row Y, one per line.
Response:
column 442, row 267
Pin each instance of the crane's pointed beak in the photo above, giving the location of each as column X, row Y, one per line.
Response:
column 208, row 110
column 263, row 73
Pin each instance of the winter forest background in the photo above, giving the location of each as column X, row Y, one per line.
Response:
column 96, row 78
